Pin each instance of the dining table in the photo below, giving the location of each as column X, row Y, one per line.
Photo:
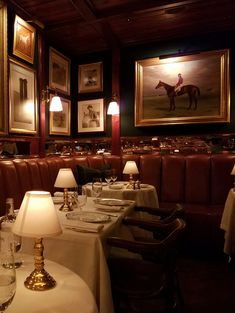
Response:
column 82, row 245
column 145, row 195
column 228, row 223
column 71, row 294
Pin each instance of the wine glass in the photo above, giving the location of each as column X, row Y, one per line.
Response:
column 97, row 187
column 108, row 177
column 114, row 175
column 7, row 275
column 82, row 198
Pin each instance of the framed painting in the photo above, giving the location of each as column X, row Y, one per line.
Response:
column 3, row 69
column 91, row 116
column 60, row 121
column 59, row 71
column 22, row 99
column 190, row 89
column 24, row 40
column 90, row 77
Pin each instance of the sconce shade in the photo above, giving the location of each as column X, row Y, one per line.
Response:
column 113, row 108
column 65, row 179
column 55, row 104
column 130, row 168
column 37, row 216
column 233, row 171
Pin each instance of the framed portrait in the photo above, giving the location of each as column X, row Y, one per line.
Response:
column 24, row 40
column 60, row 121
column 192, row 89
column 90, row 77
column 22, row 99
column 59, row 71
column 3, row 69
column 91, row 116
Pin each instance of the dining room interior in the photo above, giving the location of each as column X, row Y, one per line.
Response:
column 123, row 113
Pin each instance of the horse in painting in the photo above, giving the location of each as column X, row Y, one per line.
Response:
column 192, row 91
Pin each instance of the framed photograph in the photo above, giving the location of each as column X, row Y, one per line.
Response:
column 60, row 121
column 59, row 71
column 3, row 70
column 24, row 40
column 23, row 110
column 191, row 89
column 90, row 77
column 91, row 116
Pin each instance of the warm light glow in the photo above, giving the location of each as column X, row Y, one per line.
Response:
column 130, row 168
column 113, row 108
column 37, row 216
column 65, row 179
column 56, row 104
column 233, row 171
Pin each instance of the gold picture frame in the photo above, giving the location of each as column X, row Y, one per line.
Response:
column 23, row 109
column 3, row 69
column 91, row 117
column 24, row 40
column 59, row 71
column 60, row 121
column 90, row 77
column 191, row 89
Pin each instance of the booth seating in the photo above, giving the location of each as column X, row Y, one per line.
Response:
column 200, row 182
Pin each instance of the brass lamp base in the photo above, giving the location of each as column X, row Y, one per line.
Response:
column 40, row 280
column 66, row 207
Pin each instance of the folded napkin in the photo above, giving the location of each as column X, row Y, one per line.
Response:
column 116, row 186
column 108, row 208
column 84, row 227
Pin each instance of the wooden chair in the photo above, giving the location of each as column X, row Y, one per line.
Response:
column 148, row 281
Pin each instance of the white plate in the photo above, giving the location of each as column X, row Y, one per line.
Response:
column 108, row 208
column 107, row 201
column 116, row 186
column 89, row 217
column 58, row 200
column 144, row 185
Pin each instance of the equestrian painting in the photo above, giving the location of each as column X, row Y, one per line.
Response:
column 183, row 89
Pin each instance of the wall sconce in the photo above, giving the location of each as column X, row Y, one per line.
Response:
column 113, row 108
column 55, row 104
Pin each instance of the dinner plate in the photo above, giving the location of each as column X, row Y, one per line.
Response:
column 116, row 186
column 108, row 208
column 89, row 217
column 144, row 185
column 58, row 200
column 112, row 202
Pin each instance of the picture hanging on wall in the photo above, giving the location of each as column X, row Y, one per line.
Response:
column 59, row 71
column 22, row 99
column 90, row 77
column 60, row 121
column 91, row 116
column 191, row 89
column 24, row 40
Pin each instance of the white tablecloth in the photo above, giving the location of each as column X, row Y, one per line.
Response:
column 228, row 223
column 70, row 295
column 145, row 196
column 85, row 254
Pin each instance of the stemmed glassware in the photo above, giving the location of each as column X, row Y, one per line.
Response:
column 7, row 274
column 82, row 198
column 108, row 177
column 97, row 187
column 114, row 175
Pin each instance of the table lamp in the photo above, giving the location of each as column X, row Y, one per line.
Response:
column 131, row 169
column 38, row 218
column 233, row 173
column 65, row 179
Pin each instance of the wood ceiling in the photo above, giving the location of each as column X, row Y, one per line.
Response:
column 87, row 26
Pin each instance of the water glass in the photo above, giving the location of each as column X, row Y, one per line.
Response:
column 7, row 275
column 97, row 187
column 82, row 199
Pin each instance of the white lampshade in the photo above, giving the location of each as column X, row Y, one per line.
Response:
column 37, row 216
column 233, row 171
column 65, row 179
column 113, row 108
column 56, row 104
column 130, row 168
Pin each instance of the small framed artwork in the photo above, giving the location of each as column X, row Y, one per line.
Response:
column 90, row 77
column 3, row 70
column 22, row 99
column 59, row 71
column 24, row 40
column 190, row 89
column 60, row 121
column 91, row 116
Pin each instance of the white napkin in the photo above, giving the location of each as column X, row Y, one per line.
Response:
column 108, row 208
column 116, row 186
column 84, row 227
